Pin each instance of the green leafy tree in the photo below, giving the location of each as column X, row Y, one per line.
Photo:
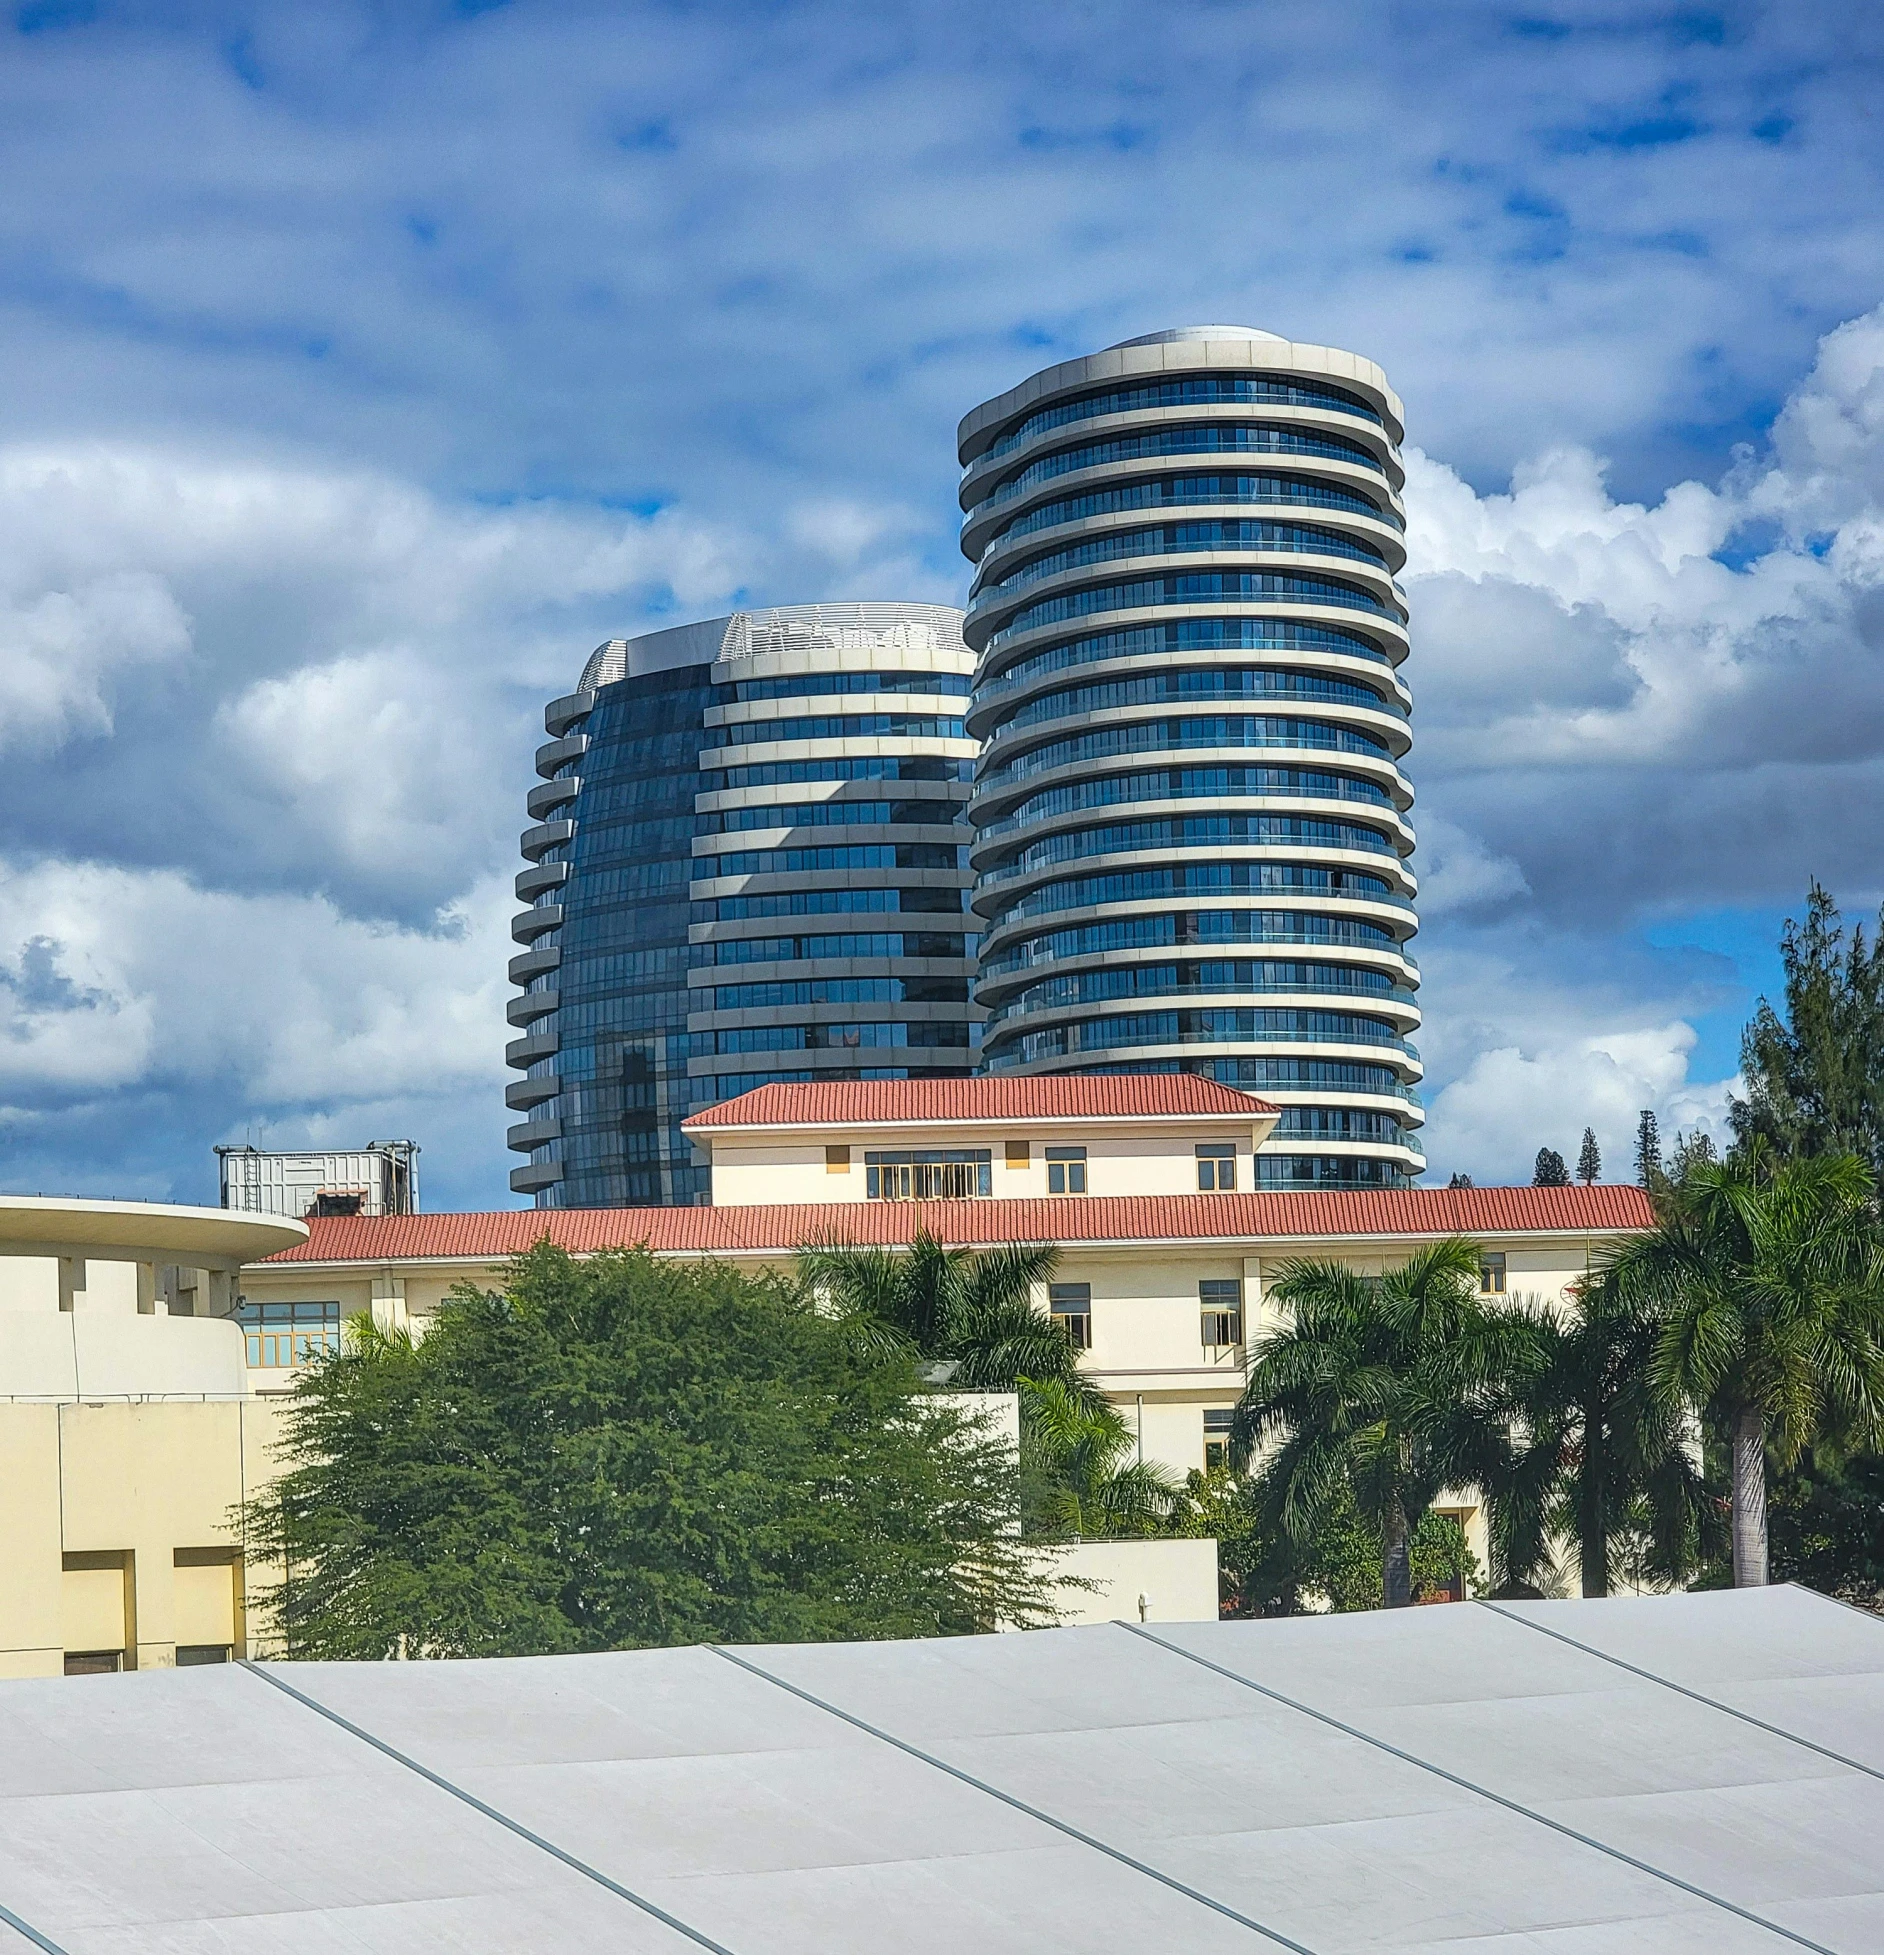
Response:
column 1589, row 1159
column 1385, row 1388
column 1648, row 1151
column 1595, row 1454
column 1826, row 1524
column 1815, row 1077
column 1768, row 1282
column 1218, row 1504
column 621, row 1452
column 967, row 1309
column 1550, row 1171
column 1078, row 1477
column 1342, row 1568
column 1263, row 1571
column 1695, row 1150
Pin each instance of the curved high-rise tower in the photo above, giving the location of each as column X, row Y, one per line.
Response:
column 1191, row 821
column 748, row 863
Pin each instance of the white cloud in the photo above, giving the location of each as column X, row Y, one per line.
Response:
column 273, row 674
column 113, row 980
column 526, row 271
column 1492, row 1119
column 1620, row 718
column 1458, row 874
column 63, row 651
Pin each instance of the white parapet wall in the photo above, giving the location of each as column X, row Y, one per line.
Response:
column 1138, row 1581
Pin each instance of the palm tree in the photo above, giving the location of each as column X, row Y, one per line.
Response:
column 1074, row 1475
column 1594, row 1454
column 972, row 1310
column 1769, row 1280
column 1395, row 1384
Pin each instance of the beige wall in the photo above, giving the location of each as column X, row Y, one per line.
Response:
column 1138, row 1581
column 1143, row 1160
column 115, row 1530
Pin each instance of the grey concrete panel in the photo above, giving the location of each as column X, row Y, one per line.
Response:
column 1326, row 1838
column 760, row 1820
column 1495, row 1790
column 199, row 1809
column 1793, row 1659
column 1706, row 1798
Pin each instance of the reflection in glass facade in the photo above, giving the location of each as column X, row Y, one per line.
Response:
column 1128, row 835
column 695, row 927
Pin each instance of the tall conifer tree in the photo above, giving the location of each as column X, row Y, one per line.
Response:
column 1648, row 1149
column 1815, row 1078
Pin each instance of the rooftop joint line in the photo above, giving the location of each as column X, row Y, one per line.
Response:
column 1484, row 1792
column 476, row 1804
column 1681, row 1689
column 32, row 1934
column 1020, row 1805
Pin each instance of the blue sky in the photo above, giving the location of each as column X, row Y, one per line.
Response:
column 361, row 368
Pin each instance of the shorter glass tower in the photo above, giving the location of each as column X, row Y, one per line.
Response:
column 748, row 862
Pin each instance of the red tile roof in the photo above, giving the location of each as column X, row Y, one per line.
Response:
column 1050, row 1096
column 1083, row 1219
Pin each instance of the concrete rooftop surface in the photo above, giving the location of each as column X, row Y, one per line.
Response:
column 1697, row 1774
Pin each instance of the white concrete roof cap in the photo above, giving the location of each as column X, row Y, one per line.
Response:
column 1181, row 349
column 219, row 1233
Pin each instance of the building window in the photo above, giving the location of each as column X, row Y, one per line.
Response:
column 837, row 1160
column 1217, row 1435
column 282, row 1334
column 93, row 1663
column 1066, row 1170
column 1216, row 1167
column 930, row 1174
column 1491, row 1275
column 1071, row 1308
column 1221, row 1300
column 1020, row 1153
column 189, row 1655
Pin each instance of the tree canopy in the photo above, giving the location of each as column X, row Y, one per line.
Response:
column 1594, row 1456
column 1078, row 1478
column 621, row 1452
column 1766, row 1279
column 1648, row 1150
column 1549, row 1171
column 1380, row 1390
column 971, row 1310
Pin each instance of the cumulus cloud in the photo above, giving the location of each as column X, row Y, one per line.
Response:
column 1509, row 1102
column 267, row 729
column 361, row 377
column 276, row 675
column 113, row 979
column 1628, row 711
column 1601, row 673
column 63, row 651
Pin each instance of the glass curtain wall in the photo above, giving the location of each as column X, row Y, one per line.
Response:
column 747, row 867
column 1192, row 835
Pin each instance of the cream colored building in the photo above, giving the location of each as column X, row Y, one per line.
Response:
column 128, row 1432
column 1167, row 1255
column 145, row 1350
